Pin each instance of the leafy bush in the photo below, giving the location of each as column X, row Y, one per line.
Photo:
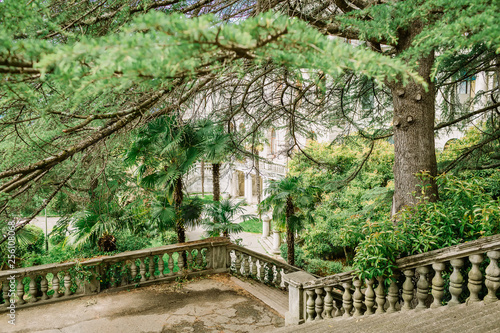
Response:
column 125, row 241
column 299, row 255
column 35, row 243
column 169, row 237
column 466, row 212
column 323, row 267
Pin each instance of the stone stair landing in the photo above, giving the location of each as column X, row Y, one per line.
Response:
column 477, row 318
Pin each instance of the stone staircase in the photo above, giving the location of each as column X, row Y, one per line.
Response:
column 478, row 318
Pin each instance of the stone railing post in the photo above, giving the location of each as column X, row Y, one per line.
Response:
column 219, row 258
column 276, row 242
column 266, row 226
column 296, row 297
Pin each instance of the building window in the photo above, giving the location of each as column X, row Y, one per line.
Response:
column 467, row 86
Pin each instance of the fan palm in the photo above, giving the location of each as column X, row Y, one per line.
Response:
column 216, row 149
column 220, row 217
column 290, row 203
column 165, row 150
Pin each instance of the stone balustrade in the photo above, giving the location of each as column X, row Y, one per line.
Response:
column 464, row 273
column 54, row 282
column 248, row 263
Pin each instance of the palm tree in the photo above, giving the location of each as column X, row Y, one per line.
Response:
column 165, row 150
column 216, row 149
column 164, row 216
column 221, row 215
column 291, row 204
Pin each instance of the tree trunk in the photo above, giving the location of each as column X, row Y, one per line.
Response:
column 202, row 171
column 414, row 147
column 290, row 232
column 179, row 223
column 216, row 180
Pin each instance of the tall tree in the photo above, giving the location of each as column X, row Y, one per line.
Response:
column 73, row 78
column 290, row 204
column 165, row 150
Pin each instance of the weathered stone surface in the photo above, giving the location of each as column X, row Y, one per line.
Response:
column 204, row 305
column 476, row 317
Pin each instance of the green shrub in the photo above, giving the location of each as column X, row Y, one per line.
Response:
column 34, row 243
column 125, row 241
column 169, row 237
column 466, row 212
column 324, row 267
column 299, row 255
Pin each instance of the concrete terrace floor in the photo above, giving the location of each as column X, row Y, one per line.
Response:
column 210, row 304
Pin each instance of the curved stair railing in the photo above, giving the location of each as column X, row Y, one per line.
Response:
column 465, row 273
column 44, row 284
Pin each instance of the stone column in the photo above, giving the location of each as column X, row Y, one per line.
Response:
column 248, row 189
column 234, row 184
column 296, row 297
column 266, row 224
column 276, row 242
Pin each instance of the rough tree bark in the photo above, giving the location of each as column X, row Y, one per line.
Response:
column 179, row 224
column 414, row 147
column 216, row 180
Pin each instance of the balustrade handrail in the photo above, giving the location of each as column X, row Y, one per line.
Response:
column 481, row 245
column 260, row 256
column 218, row 241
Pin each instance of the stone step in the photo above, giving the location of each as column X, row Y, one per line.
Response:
column 477, row 317
column 275, row 298
column 267, row 243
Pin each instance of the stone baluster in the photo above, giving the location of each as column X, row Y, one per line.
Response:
column 310, row 305
column 170, row 264
column 254, row 266
column 190, row 263
column 408, row 288
column 358, row 298
column 44, row 287
column 262, row 270
column 318, row 303
column 456, row 281
column 20, row 292
column 142, row 269
column 369, row 296
column 161, row 266
column 133, row 270
column 380, row 294
column 152, row 268
column 32, row 289
column 328, row 302
column 5, row 290
column 208, row 258
column 438, row 284
column 123, row 274
column 112, row 272
column 475, row 278
column 347, row 299
column 492, row 277
column 67, row 283
column 55, row 285
column 246, row 265
column 338, row 308
column 237, row 262
column 422, row 287
column 392, row 295
column 277, row 280
column 180, row 262
column 199, row 259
